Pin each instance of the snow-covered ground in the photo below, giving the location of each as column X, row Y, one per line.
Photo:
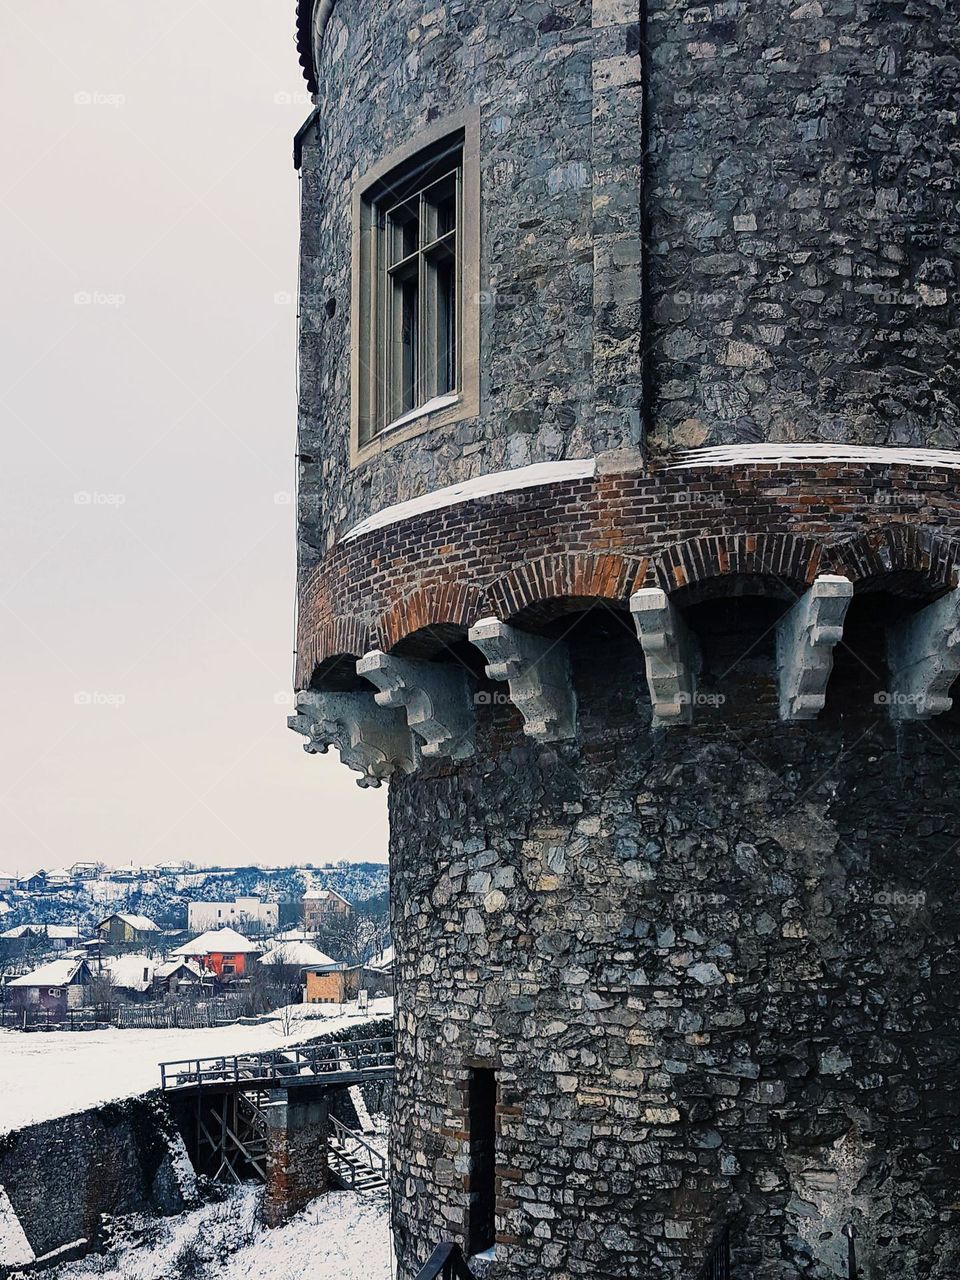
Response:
column 340, row 1236
column 45, row 1074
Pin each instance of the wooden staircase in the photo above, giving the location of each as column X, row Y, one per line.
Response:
column 355, row 1164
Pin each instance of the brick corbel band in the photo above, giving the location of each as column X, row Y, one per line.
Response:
column 685, row 530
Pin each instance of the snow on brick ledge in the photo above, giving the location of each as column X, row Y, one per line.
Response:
column 732, row 455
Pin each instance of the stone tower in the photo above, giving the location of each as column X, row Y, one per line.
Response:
column 629, row 457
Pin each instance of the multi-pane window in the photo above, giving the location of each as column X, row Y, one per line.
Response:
column 416, row 290
column 416, row 293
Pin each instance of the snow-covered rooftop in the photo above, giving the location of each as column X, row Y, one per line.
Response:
column 56, row 931
column 167, row 967
column 321, row 895
column 142, row 923
column 58, row 973
column 217, row 942
column 132, row 972
column 301, row 954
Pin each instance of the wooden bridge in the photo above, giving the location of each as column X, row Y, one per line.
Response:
column 332, row 1064
column 266, row 1116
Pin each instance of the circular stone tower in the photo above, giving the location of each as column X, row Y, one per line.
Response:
column 628, row 532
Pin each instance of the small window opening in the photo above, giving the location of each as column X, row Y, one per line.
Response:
column 481, row 1228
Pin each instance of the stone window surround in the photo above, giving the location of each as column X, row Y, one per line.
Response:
column 467, row 402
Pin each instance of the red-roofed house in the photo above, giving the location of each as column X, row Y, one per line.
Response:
column 222, row 951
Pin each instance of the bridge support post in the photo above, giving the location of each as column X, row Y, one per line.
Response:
column 297, row 1136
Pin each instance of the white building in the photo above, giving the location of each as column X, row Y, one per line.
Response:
column 248, row 912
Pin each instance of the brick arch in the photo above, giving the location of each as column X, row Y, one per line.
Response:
column 334, row 638
column 573, row 576
column 781, row 558
column 900, row 558
column 441, row 603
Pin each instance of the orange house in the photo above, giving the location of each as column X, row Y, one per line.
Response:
column 340, row 983
column 224, row 952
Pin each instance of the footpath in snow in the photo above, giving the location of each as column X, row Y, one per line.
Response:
column 45, row 1074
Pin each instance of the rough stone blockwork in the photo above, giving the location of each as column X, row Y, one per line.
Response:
column 65, row 1177
column 712, row 965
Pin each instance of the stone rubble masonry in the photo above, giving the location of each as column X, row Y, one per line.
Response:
column 297, row 1169
column 713, row 966
column 67, row 1178
column 778, row 263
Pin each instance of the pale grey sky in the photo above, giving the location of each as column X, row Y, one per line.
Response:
column 148, row 215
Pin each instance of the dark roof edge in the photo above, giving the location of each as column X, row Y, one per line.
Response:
column 312, row 16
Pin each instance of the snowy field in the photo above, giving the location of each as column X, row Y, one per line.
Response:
column 340, row 1236
column 45, row 1074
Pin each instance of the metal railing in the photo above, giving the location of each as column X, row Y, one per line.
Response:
column 446, row 1263
column 345, row 1057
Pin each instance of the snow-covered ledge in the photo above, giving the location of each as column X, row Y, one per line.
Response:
column 373, row 740
column 737, row 455
column 434, row 695
column 538, row 673
column 806, row 637
column 496, row 482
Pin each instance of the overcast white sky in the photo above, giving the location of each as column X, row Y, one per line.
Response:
column 148, row 215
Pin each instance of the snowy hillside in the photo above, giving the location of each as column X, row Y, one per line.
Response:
column 163, row 895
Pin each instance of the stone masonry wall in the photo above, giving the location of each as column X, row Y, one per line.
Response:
column 65, row 1175
column 781, row 268
column 715, row 970
column 805, row 221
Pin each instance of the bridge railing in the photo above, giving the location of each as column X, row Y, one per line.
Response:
column 279, row 1064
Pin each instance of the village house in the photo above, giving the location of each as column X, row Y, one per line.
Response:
column 251, row 913
column 340, row 983
column 36, row 883
column 55, row 987
column 86, row 870
column 60, row 937
column 323, row 908
column 131, row 976
column 124, row 928
column 62, row 878
column 177, row 975
column 224, row 952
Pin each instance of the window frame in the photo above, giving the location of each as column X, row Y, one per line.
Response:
column 370, row 434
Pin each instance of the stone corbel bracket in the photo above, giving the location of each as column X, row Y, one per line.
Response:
column 538, row 673
column 923, row 654
column 375, row 741
column 435, row 697
column 670, row 653
column 806, row 637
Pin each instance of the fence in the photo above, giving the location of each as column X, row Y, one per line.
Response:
column 152, row 1016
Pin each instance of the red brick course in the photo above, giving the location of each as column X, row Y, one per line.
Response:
column 602, row 538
